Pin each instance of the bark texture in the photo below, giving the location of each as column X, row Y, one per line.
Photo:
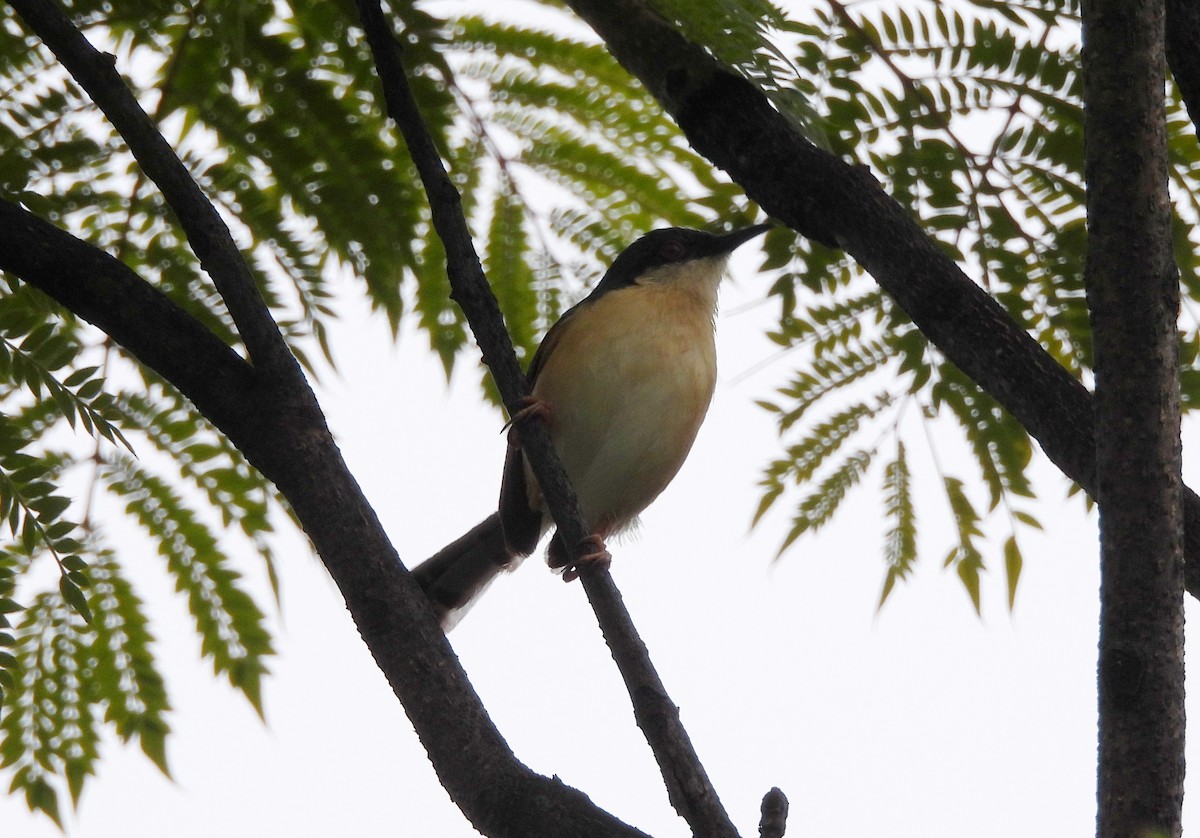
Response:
column 1133, row 297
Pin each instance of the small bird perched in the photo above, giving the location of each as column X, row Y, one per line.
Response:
column 623, row 381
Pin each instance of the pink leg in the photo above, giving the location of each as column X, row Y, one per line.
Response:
column 597, row 557
column 525, row 407
column 521, row 410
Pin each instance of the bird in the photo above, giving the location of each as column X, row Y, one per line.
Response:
column 623, row 381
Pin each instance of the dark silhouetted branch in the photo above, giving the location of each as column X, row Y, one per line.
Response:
column 773, row 823
column 1183, row 52
column 1133, row 303
column 688, row 786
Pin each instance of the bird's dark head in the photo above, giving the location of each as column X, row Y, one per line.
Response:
column 675, row 254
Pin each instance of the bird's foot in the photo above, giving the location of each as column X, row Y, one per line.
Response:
column 595, row 558
column 523, row 409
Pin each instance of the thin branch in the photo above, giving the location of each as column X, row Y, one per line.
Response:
column 207, row 234
column 505, row 165
column 773, row 822
column 688, row 786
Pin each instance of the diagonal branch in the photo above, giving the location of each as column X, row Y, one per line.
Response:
column 687, row 783
column 281, row 431
column 129, row 310
column 207, row 234
column 729, row 121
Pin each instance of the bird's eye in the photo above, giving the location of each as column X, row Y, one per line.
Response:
column 673, row 251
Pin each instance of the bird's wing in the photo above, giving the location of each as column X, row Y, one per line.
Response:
column 546, row 347
column 521, row 523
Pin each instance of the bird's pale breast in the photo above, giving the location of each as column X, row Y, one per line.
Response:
column 628, row 386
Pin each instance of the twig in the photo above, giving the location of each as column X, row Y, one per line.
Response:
column 773, row 822
column 207, row 234
column 687, row 783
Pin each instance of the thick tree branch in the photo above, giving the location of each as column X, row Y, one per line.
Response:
column 134, row 313
column 207, row 234
column 1133, row 301
column 730, row 122
column 283, row 434
column 688, row 786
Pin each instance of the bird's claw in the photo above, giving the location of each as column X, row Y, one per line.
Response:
column 596, row 558
column 524, row 408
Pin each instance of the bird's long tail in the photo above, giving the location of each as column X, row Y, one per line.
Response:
column 457, row 574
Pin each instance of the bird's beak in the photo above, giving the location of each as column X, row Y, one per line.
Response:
column 731, row 241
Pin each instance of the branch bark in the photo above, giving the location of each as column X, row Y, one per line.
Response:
column 688, row 786
column 730, row 122
column 773, row 823
column 1133, row 299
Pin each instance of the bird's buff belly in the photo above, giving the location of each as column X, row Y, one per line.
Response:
column 623, row 430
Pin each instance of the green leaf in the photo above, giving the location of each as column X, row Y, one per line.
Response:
column 74, row 596
column 126, row 677
column 230, row 624
column 900, row 540
column 41, row 797
column 965, row 555
column 48, row 729
column 1013, row 562
column 817, row 508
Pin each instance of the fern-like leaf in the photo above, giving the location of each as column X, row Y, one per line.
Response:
column 819, row 506
column 900, row 541
column 965, row 556
column 230, row 625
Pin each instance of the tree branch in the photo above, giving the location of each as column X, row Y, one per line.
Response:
column 207, row 234
column 773, row 823
column 129, row 310
column 688, row 786
column 729, row 121
column 1133, row 301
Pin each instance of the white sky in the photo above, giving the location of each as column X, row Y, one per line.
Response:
column 921, row 720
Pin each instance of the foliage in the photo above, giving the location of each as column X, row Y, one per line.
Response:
column 272, row 110
column 741, row 34
column 970, row 112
